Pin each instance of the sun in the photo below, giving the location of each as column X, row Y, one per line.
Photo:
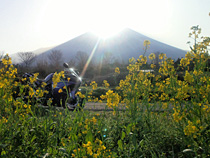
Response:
column 106, row 32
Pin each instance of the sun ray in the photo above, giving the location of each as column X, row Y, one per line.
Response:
column 90, row 58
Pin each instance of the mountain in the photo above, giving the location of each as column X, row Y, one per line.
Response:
column 16, row 59
column 126, row 44
column 41, row 50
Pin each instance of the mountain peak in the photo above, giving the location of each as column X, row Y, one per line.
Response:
column 124, row 45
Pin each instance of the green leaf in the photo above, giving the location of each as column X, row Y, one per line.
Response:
column 128, row 129
column 120, row 144
column 3, row 153
column 33, row 138
column 123, row 135
column 141, row 143
column 89, row 137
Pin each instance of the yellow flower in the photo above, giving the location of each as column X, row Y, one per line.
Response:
column 94, row 120
column 132, row 60
column 152, row 66
column 80, row 95
column 43, row 84
column 113, row 99
column 37, row 92
column 152, row 56
column 56, row 79
column 189, row 78
column 94, row 85
column 144, row 59
column 60, row 91
column 146, row 43
column 106, row 84
column 117, row 70
column 190, row 129
column 31, row 92
column 161, row 56
column 62, row 74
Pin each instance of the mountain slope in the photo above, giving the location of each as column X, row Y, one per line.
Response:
column 124, row 45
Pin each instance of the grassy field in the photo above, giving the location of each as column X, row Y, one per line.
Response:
column 163, row 116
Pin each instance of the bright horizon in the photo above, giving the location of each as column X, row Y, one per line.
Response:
column 31, row 25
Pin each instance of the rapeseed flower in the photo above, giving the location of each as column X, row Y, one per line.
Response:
column 56, row 78
column 60, row 91
column 117, row 70
column 152, row 56
column 146, row 43
column 94, row 85
column 105, row 83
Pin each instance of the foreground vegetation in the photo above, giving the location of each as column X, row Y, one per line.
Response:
column 164, row 116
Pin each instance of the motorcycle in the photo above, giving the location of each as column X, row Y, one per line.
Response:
column 64, row 93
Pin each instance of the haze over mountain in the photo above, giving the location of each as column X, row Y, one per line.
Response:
column 124, row 45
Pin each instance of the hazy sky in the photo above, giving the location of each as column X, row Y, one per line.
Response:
column 27, row 25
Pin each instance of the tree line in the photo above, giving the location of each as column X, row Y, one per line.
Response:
column 98, row 70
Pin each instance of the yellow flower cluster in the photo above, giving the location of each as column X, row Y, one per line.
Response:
column 8, row 84
column 184, row 62
column 94, row 85
column 185, row 88
column 143, row 59
column 57, row 78
column 6, row 61
column 162, row 56
column 40, row 93
column 113, row 99
column 93, row 120
column 95, row 149
column 3, row 120
column 33, row 78
column 190, row 129
column 105, row 83
column 80, row 94
column 117, row 70
column 152, row 56
column 176, row 115
column 189, row 78
column 167, row 67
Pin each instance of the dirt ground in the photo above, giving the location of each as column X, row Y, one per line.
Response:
column 91, row 106
column 99, row 107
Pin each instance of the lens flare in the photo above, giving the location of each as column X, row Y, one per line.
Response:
column 90, row 57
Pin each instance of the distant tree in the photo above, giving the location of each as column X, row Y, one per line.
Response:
column 108, row 58
column 55, row 58
column 2, row 54
column 72, row 63
column 106, row 64
column 27, row 58
column 42, row 67
column 84, row 66
column 81, row 59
